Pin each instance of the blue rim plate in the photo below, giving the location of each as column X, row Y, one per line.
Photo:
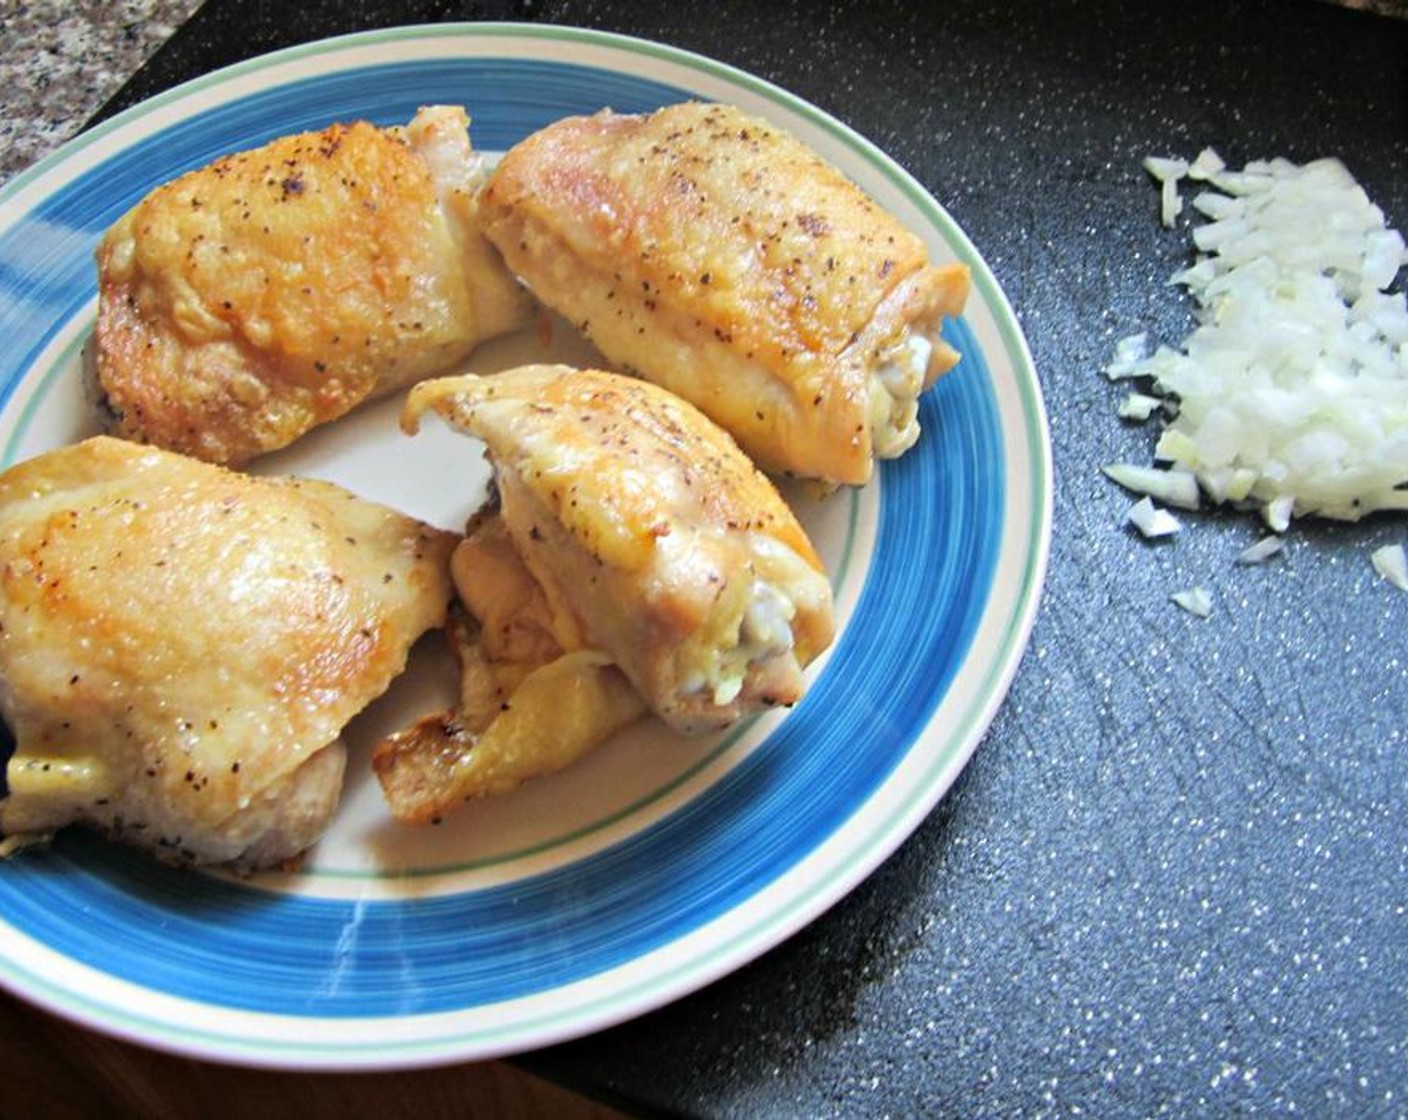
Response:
column 656, row 865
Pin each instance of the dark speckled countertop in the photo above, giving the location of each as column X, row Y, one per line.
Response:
column 1173, row 881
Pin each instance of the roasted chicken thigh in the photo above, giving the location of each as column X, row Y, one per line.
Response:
column 274, row 290
column 181, row 646
column 710, row 252
column 631, row 541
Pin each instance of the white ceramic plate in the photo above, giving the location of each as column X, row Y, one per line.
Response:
column 656, row 864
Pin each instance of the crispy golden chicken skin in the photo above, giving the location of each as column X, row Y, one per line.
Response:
column 632, row 542
column 715, row 255
column 274, row 290
column 181, row 646
column 639, row 516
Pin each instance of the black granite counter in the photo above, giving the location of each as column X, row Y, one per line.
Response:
column 1174, row 878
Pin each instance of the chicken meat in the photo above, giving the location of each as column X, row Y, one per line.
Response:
column 709, row 251
column 181, row 646
column 273, row 290
column 633, row 559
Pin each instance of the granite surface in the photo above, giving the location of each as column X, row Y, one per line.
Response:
column 60, row 61
column 1173, row 880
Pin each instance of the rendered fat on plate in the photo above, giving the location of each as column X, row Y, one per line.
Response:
column 181, row 646
column 273, row 290
column 714, row 254
column 635, row 559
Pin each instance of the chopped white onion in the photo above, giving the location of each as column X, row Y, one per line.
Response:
column 1164, row 168
column 1140, row 406
column 1168, row 172
column 1195, row 601
column 1132, row 348
column 1391, row 563
column 1150, row 520
column 1174, row 487
column 1170, row 202
column 1277, row 513
column 1291, row 387
column 1207, row 164
column 1262, row 551
column 1130, row 353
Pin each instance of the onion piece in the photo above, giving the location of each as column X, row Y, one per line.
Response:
column 1170, row 202
column 1195, row 601
column 1174, row 487
column 1277, row 513
column 1391, row 562
column 1166, row 168
column 1132, row 347
column 1168, row 172
column 1130, row 353
column 1207, row 164
column 1150, row 520
column 1262, row 551
column 1139, row 406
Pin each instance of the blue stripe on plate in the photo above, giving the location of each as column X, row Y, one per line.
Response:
column 226, row 945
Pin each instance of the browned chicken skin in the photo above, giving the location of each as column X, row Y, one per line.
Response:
column 653, row 532
column 633, row 542
column 274, row 290
column 719, row 257
column 181, row 646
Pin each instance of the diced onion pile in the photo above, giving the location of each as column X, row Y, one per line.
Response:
column 1291, row 393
